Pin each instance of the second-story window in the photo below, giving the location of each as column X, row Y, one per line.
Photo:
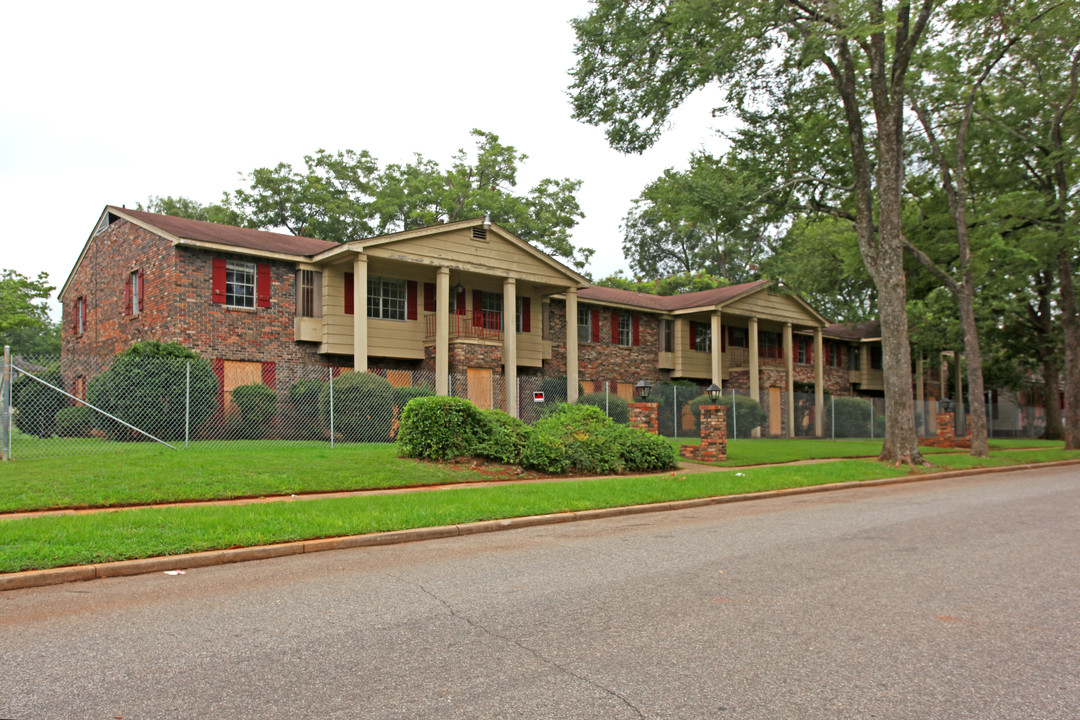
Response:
column 386, row 298
column 239, row 284
column 702, row 337
column 666, row 335
column 308, row 293
column 584, row 324
column 625, row 331
column 491, row 305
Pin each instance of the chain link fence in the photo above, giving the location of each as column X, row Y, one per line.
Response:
column 81, row 405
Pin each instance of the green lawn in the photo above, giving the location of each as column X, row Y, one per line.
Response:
column 142, row 473
column 764, row 451
column 101, row 537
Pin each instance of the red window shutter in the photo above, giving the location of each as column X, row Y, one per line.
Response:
column 595, row 317
column 613, row 386
column 693, row 335
column 350, row 287
column 477, row 308
column 723, row 338
column 597, row 386
column 828, row 353
column 614, row 327
column 461, row 302
column 142, row 291
column 218, row 289
column 526, row 315
column 779, row 348
column 269, row 374
column 635, row 329
column 262, row 285
column 429, row 297
column 219, row 371
column 127, row 294
column 410, row 299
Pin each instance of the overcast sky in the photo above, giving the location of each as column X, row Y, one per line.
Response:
column 112, row 102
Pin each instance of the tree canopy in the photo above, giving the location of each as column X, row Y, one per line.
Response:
column 24, row 314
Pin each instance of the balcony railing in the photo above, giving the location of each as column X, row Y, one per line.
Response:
column 479, row 325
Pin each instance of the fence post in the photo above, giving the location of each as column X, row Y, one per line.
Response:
column 871, row 418
column 734, row 416
column 675, row 410
column 607, row 393
column 187, row 404
column 832, row 420
column 331, row 407
column 5, row 406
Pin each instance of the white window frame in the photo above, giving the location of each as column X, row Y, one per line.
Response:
column 240, row 284
column 80, row 315
column 386, row 299
column 136, row 291
column 702, row 338
column 584, row 330
column 626, row 330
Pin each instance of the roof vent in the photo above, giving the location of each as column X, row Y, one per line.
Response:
column 479, row 233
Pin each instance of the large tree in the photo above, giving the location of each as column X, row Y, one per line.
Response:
column 639, row 60
column 346, row 196
column 25, row 324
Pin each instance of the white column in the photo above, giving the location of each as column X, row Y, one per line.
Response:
column 789, row 385
column 360, row 324
column 571, row 346
column 510, row 395
column 755, row 379
column 717, row 345
column 819, row 384
column 442, row 331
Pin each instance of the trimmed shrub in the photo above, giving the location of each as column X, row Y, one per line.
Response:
column 853, row 416
column 617, row 408
column 440, row 428
column 258, row 406
column 302, row 412
column 748, row 413
column 363, row 407
column 506, row 438
column 35, row 406
column 642, row 451
column 581, row 437
column 75, row 421
column 146, row 387
column 403, row 395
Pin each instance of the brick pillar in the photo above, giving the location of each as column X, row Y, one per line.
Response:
column 945, row 429
column 713, row 447
column 643, row 416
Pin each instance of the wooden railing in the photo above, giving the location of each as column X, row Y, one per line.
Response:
column 480, row 325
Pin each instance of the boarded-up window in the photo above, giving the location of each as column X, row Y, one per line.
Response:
column 237, row 373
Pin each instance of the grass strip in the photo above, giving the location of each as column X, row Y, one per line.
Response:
column 56, row 541
column 139, row 473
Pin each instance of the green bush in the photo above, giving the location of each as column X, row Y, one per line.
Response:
column 363, row 407
column 75, row 421
column 146, row 387
column 748, row 413
column 440, row 428
column 302, row 411
column 642, row 451
column 403, row 395
column 617, row 408
column 554, row 389
column 579, row 437
column 35, row 405
column 505, row 439
column 852, row 417
column 258, row 407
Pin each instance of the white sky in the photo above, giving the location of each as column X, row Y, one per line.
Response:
column 112, row 102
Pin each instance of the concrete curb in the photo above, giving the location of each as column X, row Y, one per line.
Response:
column 57, row 576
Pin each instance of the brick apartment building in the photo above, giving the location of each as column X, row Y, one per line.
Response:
column 440, row 299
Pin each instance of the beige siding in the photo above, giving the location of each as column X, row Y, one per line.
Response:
column 689, row 363
column 769, row 306
column 459, row 250
column 337, row 332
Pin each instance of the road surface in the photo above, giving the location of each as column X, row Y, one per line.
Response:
column 946, row 599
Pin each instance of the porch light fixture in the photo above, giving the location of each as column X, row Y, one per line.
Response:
column 714, row 392
column 642, row 389
column 459, row 288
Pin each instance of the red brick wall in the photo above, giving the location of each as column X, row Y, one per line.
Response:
column 603, row 359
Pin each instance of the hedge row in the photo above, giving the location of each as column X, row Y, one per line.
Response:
column 572, row 438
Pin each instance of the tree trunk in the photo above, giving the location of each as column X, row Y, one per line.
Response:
column 1070, row 324
column 980, row 446
column 1051, row 403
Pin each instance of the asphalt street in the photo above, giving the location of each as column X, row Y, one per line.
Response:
column 946, row 599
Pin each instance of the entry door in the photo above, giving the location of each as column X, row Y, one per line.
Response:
column 479, row 387
column 775, row 416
